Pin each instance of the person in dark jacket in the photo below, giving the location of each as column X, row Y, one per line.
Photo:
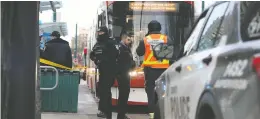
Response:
column 104, row 54
column 58, row 51
column 125, row 65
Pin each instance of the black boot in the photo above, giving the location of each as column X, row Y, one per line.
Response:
column 122, row 116
column 101, row 114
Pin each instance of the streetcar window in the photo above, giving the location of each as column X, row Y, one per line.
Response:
column 99, row 21
column 176, row 19
column 168, row 21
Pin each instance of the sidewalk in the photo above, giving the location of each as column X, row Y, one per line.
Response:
column 87, row 108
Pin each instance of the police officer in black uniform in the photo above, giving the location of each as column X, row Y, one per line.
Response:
column 57, row 50
column 104, row 54
column 125, row 64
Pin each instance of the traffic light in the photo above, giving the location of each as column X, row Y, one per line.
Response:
column 85, row 51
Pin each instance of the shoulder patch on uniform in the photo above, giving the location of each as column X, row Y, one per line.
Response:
column 117, row 47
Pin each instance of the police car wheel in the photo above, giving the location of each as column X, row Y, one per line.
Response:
column 208, row 108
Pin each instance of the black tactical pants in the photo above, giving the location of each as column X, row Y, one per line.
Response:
column 123, row 80
column 106, row 81
column 151, row 76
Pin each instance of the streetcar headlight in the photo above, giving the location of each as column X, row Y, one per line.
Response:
column 135, row 73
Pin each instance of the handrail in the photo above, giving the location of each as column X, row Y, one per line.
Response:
column 56, row 77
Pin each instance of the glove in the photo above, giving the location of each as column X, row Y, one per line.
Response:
column 133, row 65
column 92, row 56
column 97, row 62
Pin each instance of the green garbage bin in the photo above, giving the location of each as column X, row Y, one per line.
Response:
column 64, row 98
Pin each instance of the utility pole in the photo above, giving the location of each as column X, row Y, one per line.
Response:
column 54, row 16
column 85, row 56
column 76, row 42
column 203, row 5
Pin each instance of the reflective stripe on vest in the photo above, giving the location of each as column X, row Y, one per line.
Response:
column 148, row 58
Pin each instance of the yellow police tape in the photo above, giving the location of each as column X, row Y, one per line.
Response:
column 139, row 69
column 79, row 67
column 44, row 61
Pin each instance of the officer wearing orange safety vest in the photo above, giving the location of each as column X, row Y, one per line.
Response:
column 152, row 67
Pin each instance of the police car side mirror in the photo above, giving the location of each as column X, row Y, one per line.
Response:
column 163, row 51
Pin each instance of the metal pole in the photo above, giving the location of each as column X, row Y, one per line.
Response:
column 54, row 11
column 203, row 5
column 107, row 16
column 76, row 42
column 19, row 59
column 0, row 69
column 85, row 59
column 85, row 56
column 54, row 16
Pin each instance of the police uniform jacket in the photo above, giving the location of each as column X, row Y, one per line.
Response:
column 125, row 59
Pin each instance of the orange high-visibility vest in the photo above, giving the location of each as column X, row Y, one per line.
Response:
column 149, row 59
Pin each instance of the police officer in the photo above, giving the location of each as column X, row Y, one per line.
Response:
column 152, row 67
column 104, row 54
column 57, row 50
column 125, row 64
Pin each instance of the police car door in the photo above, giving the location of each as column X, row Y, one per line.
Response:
column 197, row 69
column 173, row 75
column 233, row 79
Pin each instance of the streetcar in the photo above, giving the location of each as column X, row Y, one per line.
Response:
column 176, row 19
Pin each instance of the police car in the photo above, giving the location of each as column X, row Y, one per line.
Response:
column 218, row 75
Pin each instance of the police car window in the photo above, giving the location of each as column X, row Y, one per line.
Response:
column 208, row 37
column 250, row 20
column 191, row 42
